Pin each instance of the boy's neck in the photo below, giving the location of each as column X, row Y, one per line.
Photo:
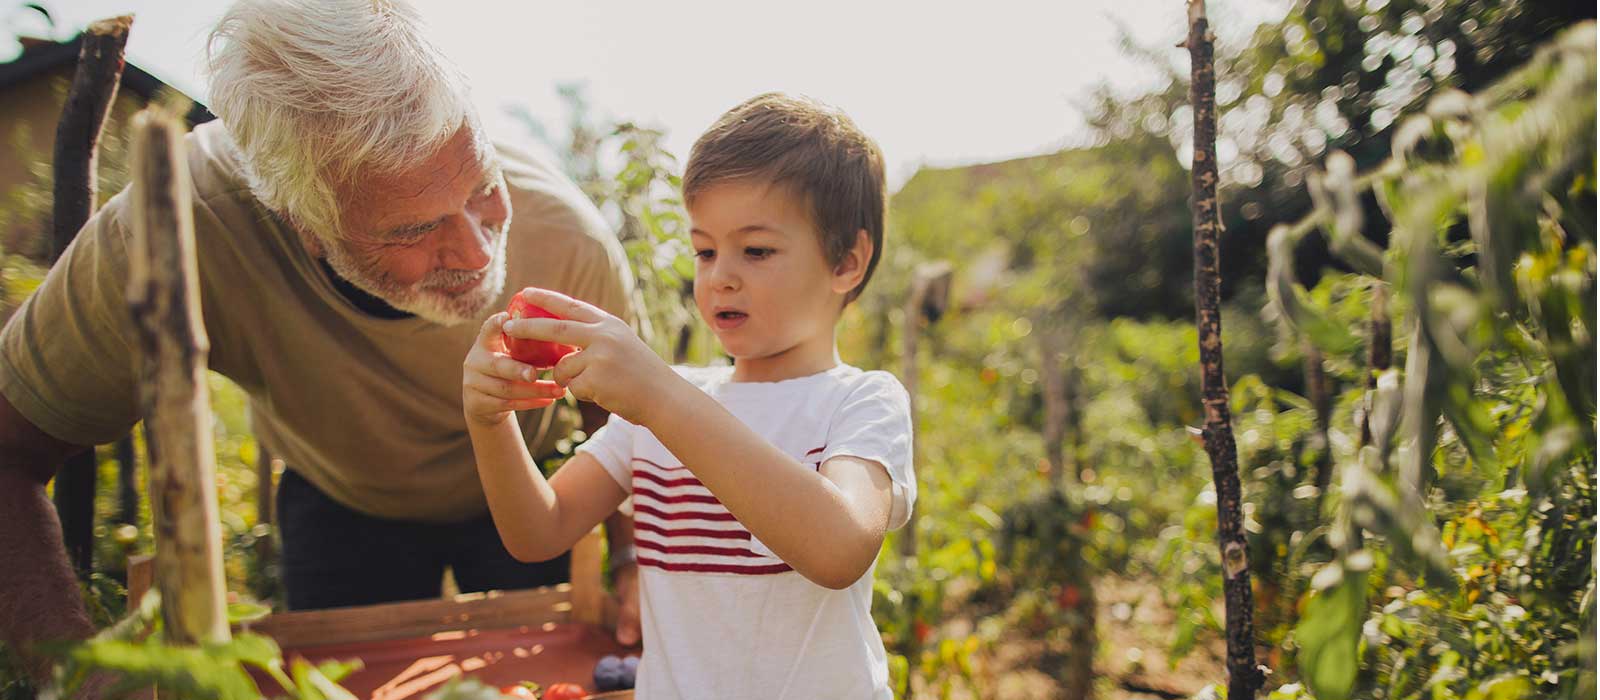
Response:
column 799, row 361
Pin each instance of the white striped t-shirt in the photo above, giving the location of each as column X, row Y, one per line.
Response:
column 723, row 617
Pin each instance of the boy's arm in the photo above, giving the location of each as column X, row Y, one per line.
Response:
column 539, row 519
column 827, row 524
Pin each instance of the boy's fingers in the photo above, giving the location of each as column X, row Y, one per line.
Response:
column 554, row 330
column 563, row 305
column 504, row 367
column 568, row 369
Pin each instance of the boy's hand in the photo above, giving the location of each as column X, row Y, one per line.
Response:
column 612, row 368
column 494, row 386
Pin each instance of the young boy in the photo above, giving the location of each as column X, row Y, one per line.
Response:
column 762, row 491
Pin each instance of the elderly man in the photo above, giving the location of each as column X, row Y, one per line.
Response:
column 353, row 225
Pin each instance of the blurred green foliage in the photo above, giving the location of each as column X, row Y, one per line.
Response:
column 1443, row 162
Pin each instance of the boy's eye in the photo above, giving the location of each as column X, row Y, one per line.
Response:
column 706, row 254
column 758, row 253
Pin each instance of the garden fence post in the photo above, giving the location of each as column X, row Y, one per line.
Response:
column 164, row 294
column 1244, row 676
column 83, row 117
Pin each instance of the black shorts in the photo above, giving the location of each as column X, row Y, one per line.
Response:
column 335, row 557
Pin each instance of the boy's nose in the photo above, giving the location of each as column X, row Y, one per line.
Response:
column 725, row 276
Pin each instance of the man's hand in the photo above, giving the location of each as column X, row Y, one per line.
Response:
column 625, row 586
column 494, row 386
column 613, row 367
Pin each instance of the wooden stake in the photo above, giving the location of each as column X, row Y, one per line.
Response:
column 1321, row 397
column 94, row 88
column 1244, row 676
column 1056, row 409
column 164, row 293
column 1379, row 354
column 588, row 593
column 930, row 295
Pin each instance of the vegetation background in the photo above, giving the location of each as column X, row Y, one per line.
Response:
column 1410, row 179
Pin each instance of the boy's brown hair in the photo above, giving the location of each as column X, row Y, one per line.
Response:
column 809, row 146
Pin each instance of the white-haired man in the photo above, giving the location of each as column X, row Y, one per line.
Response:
column 353, row 224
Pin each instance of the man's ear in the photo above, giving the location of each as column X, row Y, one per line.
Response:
column 847, row 275
column 312, row 243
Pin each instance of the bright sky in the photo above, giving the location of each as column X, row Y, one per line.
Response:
column 935, row 83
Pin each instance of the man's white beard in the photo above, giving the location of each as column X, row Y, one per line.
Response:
column 427, row 298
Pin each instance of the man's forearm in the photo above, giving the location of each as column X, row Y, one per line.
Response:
column 39, row 598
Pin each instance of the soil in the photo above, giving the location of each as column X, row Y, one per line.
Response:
column 1134, row 628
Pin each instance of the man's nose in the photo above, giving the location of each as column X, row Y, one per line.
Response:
column 469, row 244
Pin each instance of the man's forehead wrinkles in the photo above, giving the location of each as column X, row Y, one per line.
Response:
column 432, row 183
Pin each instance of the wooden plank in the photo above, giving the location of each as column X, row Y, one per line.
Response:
column 489, row 610
column 164, row 297
column 588, row 593
column 73, row 190
column 141, row 574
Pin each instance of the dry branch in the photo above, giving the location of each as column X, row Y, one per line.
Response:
column 94, row 87
column 164, row 293
column 1244, row 676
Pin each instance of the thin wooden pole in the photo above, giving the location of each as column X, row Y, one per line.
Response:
column 164, row 293
column 1320, row 393
column 1244, row 676
column 908, row 377
column 1056, row 410
column 83, row 117
column 1380, row 334
column 930, row 295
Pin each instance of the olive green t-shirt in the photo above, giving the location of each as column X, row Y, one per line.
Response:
column 367, row 409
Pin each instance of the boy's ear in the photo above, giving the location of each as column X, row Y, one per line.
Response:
column 850, row 271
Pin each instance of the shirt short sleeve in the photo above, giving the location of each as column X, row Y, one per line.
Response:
column 612, row 446
column 874, row 423
column 67, row 356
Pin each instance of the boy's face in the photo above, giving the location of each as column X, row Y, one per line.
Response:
column 761, row 280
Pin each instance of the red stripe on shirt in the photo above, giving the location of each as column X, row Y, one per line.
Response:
column 665, row 469
column 677, row 498
column 815, row 451
column 669, row 483
column 652, row 545
column 723, row 516
column 717, row 568
column 691, row 531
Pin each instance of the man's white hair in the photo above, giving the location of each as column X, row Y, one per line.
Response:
column 318, row 93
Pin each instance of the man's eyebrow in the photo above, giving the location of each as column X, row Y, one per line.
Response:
column 412, row 229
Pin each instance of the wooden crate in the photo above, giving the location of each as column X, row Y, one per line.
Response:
column 548, row 635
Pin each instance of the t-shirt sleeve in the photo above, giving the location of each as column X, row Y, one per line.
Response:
column 612, row 446
column 874, row 423
column 68, row 356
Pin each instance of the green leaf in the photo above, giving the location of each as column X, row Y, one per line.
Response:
column 1330, row 634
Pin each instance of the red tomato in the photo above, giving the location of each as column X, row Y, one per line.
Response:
column 520, row 692
column 565, row 691
column 539, row 353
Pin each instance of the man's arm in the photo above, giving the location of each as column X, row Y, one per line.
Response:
column 39, row 597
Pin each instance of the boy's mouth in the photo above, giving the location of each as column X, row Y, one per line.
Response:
column 729, row 319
